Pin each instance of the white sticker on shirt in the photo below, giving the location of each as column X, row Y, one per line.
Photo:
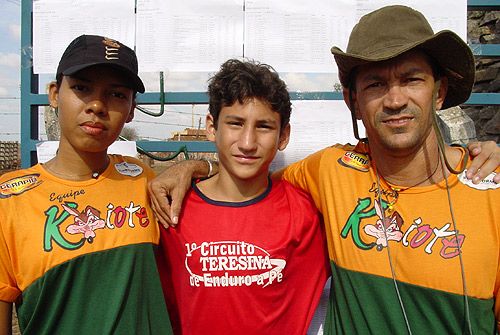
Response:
column 485, row 184
column 128, row 169
column 231, row 263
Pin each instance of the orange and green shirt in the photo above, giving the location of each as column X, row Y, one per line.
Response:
column 421, row 242
column 78, row 257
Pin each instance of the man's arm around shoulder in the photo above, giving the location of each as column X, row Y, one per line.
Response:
column 168, row 189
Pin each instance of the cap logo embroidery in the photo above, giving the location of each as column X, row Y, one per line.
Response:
column 111, row 43
column 112, row 48
column 111, row 53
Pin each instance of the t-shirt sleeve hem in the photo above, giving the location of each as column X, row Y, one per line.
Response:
column 9, row 294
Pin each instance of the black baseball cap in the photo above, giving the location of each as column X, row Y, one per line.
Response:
column 89, row 50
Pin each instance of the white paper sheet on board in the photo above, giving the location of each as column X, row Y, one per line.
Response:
column 295, row 35
column 57, row 22
column 188, row 35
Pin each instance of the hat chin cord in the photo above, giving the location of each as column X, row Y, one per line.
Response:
column 442, row 157
column 439, row 136
column 353, row 116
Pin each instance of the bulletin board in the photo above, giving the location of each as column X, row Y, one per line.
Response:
column 171, row 36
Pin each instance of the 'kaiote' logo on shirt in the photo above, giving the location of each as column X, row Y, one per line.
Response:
column 385, row 228
column 355, row 161
column 128, row 169
column 71, row 228
column 231, row 263
column 19, row 185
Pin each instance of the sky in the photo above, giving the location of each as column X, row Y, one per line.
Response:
column 10, row 45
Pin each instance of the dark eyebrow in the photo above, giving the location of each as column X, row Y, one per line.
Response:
column 376, row 77
column 240, row 119
column 370, row 77
column 233, row 117
column 412, row 71
column 271, row 121
column 79, row 77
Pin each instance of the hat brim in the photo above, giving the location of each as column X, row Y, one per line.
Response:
column 136, row 82
column 451, row 53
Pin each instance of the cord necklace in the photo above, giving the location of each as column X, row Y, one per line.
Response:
column 77, row 177
column 395, row 191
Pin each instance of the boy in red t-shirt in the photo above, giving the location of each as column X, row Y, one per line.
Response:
column 248, row 256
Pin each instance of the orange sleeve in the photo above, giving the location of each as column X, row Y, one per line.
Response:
column 304, row 174
column 496, row 293
column 8, row 285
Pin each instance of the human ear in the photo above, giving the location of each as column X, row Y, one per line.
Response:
column 131, row 113
column 441, row 92
column 350, row 100
column 284, row 137
column 53, row 94
column 210, row 127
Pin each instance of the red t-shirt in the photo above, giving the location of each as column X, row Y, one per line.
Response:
column 254, row 267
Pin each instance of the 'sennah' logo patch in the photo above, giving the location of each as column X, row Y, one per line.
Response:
column 128, row 169
column 19, row 185
column 355, row 161
column 485, row 184
column 231, row 263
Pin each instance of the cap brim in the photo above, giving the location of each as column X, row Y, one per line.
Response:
column 136, row 82
column 445, row 47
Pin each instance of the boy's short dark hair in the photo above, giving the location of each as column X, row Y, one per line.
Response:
column 243, row 80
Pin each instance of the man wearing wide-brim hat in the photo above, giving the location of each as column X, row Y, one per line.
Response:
column 413, row 243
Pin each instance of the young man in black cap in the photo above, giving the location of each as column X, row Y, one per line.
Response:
column 413, row 243
column 77, row 235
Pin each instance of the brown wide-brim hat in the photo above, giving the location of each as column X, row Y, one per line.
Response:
column 393, row 30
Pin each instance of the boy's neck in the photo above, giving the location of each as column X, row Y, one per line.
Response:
column 71, row 166
column 223, row 187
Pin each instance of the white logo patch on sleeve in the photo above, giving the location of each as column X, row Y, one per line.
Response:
column 128, row 169
column 485, row 184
